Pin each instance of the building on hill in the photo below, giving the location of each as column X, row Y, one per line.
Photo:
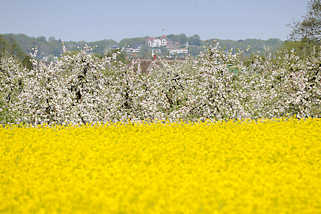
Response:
column 178, row 51
column 132, row 51
column 157, row 42
column 164, row 40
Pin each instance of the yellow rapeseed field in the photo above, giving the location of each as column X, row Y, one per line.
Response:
column 270, row 166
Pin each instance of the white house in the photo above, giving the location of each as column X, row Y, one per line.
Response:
column 157, row 42
column 178, row 51
column 164, row 40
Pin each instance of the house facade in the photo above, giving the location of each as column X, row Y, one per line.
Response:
column 157, row 42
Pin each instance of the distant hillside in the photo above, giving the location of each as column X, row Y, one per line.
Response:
column 53, row 47
column 249, row 46
column 11, row 47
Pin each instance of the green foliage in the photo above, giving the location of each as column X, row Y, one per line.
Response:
column 9, row 47
column 26, row 62
column 306, row 34
column 309, row 28
column 103, row 46
column 53, row 47
column 132, row 42
column 302, row 48
column 195, row 40
column 180, row 38
column 71, row 53
column 249, row 46
column 120, row 56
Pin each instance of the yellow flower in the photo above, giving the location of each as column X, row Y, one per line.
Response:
column 266, row 166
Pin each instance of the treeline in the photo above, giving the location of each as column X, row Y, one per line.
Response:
column 21, row 46
column 53, row 47
column 249, row 46
column 10, row 47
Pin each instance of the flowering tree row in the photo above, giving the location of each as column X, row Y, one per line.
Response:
column 83, row 88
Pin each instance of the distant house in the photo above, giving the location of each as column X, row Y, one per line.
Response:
column 178, row 51
column 157, row 42
column 132, row 51
column 164, row 40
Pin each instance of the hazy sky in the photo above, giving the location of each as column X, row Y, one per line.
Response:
column 104, row 19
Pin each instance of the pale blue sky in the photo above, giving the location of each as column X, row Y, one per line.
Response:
column 104, row 19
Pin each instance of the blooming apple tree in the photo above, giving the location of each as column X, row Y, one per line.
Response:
column 83, row 88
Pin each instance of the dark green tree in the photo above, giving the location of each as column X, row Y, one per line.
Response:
column 309, row 28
